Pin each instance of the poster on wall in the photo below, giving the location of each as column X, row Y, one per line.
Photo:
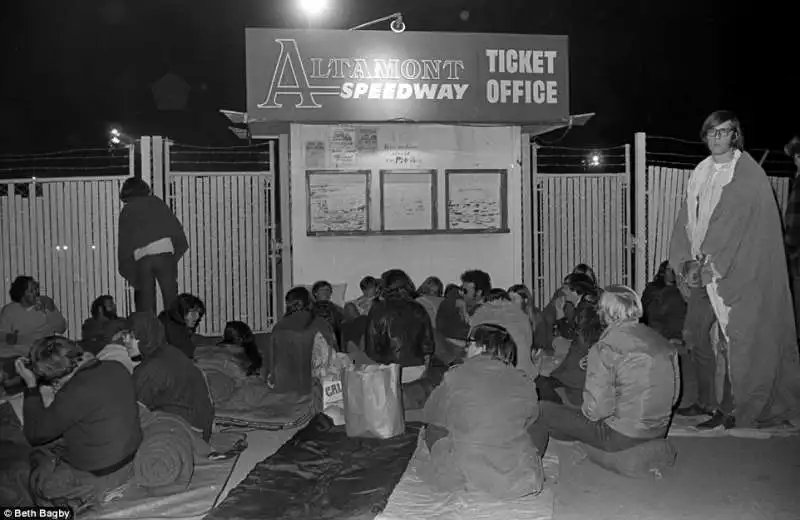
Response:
column 408, row 200
column 338, row 202
column 476, row 200
column 367, row 142
column 315, row 155
column 342, row 146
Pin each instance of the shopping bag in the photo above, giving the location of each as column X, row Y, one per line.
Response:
column 373, row 405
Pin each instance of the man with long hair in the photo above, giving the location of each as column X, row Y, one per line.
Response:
column 727, row 248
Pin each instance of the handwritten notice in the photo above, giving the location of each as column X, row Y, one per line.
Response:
column 342, row 146
column 367, row 140
column 402, row 155
column 315, row 155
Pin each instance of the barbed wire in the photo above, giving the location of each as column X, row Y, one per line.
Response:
column 52, row 154
column 220, row 148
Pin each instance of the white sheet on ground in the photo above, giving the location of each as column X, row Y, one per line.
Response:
column 413, row 499
column 208, row 481
column 686, row 427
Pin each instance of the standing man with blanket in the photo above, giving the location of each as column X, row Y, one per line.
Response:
column 151, row 243
column 727, row 240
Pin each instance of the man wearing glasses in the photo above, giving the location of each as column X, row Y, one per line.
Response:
column 727, row 250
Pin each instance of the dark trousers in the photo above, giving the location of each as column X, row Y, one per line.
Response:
column 796, row 294
column 149, row 270
column 569, row 424
column 697, row 336
column 546, row 389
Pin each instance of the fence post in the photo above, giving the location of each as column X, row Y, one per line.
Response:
column 158, row 167
column 146, row 150
column 527, row 219
column 131, row 160
column 535, row 236
column 640, row 186
column 630, row 243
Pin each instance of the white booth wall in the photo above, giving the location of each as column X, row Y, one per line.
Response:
column 347, row 259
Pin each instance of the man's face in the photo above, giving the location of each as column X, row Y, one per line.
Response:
column 719, row 138
column 110, row 308
column 796, row 159
column 470, row 294
column 31, row 293
column 323, row 294
column 569, row 295
column 192, row 317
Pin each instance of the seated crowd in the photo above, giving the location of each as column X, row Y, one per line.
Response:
column 473, row 360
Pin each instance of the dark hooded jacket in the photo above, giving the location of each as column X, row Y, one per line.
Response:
column 167, row 380
column 176, row 332
column 399, row 330
column 142, row 221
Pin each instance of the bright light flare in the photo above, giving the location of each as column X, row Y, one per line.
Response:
column 115, row 132
column 313, row 7
column 115, row 140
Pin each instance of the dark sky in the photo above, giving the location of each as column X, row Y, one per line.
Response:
column 71, row 68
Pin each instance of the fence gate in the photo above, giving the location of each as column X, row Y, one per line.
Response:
column 63, row 230
column 581, row 213
column 225, row 199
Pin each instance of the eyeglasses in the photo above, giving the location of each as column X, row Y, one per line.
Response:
column 716, row 133
column 491, row 326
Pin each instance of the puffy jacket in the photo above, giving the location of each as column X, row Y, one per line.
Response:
column 632, row 381
column 399, row 331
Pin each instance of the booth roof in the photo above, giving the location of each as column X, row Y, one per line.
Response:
column 261, row 129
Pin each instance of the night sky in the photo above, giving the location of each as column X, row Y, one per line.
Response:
column 73, row 68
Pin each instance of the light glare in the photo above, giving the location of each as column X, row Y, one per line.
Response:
column 313, row 7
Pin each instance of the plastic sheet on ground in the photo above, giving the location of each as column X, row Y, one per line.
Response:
column 414, row 499
column 322, row 474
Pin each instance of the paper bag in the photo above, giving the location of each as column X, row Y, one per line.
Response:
column 373, row 404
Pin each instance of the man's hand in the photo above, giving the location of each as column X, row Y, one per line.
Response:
column 706, row 274
column 559, row 306
column 21, row 366
column 583, row 363
column 47, row 304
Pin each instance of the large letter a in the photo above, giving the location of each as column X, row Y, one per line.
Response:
column 296, row 83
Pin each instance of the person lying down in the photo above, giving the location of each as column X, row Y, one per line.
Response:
column 476, row 422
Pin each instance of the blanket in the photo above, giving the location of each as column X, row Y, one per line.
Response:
column 247, row 401
column 322, row 474
column 164, row 464
column 275, row 412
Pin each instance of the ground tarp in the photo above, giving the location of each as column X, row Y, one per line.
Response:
column 323, row 475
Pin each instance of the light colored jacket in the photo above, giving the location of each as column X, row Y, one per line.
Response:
column 632, row 381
